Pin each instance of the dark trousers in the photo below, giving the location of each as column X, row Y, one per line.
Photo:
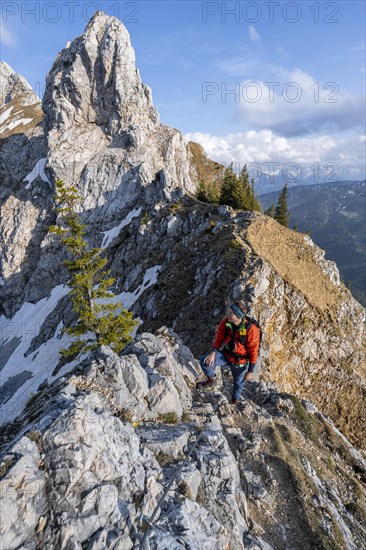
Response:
column 238, row 372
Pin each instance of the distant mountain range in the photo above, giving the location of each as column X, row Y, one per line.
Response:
column 295, row 175
column 335, row 216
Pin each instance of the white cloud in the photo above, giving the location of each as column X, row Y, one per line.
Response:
column 295, row 103
column 289, row 102
column 7, row 37
column 254, row 35
column 345, row 151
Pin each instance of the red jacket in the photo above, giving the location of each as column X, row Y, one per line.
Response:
column 250, row 348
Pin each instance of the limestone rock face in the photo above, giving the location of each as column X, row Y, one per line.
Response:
column 23, row 496
column 95, row 98
column 24, row 189
column 20, row 109
column 15, row 86
column 78, row 470
column 99, row 130
column 94, row 81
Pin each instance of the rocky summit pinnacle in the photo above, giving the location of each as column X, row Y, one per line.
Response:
column 97, row 109
column 94, row 81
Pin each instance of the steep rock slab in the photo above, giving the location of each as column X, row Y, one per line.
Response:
column 220, row 476
column 23, row 499
column 15, row 86
column 101, row 131
column 89, row 476
column 24, row 186
column 97, row 477
column 95, row 102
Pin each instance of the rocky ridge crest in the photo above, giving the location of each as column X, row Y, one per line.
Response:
column 89, row 460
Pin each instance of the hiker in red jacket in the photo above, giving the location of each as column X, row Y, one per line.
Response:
column 236, row 344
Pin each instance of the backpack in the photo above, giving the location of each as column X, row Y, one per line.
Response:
column 249, row 321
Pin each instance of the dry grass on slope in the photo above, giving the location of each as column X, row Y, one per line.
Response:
column 338, row 387
column 208, row 170
column 294, row 260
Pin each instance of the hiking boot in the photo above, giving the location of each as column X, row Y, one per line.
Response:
column 208, row 383
column 234, row 401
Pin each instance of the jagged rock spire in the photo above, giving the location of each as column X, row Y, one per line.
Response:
column 94, row 81
column 102, row 129
column 14, row 86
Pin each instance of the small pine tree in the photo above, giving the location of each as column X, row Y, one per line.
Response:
column 201, row 193
column 281, row 212
column 213, row 193
column 237, row 192
column 228, row 190
column 244, row 178
column 232, row 191
column 270, row 211
column 208, row 193
column 89, row 283
column 254, row 202
column 250, row 202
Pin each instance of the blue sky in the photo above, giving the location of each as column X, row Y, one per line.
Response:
column 297, row 69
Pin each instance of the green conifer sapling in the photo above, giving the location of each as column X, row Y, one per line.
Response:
column 95, row 313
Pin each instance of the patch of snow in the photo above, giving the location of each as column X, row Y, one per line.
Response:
column 38, row 170
column 42, row 363
column 25, row 325
column 2, row 282
column 112, row 233
column 127, row 299
column 16, row 123
column 5, row 114
column 30, row 315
